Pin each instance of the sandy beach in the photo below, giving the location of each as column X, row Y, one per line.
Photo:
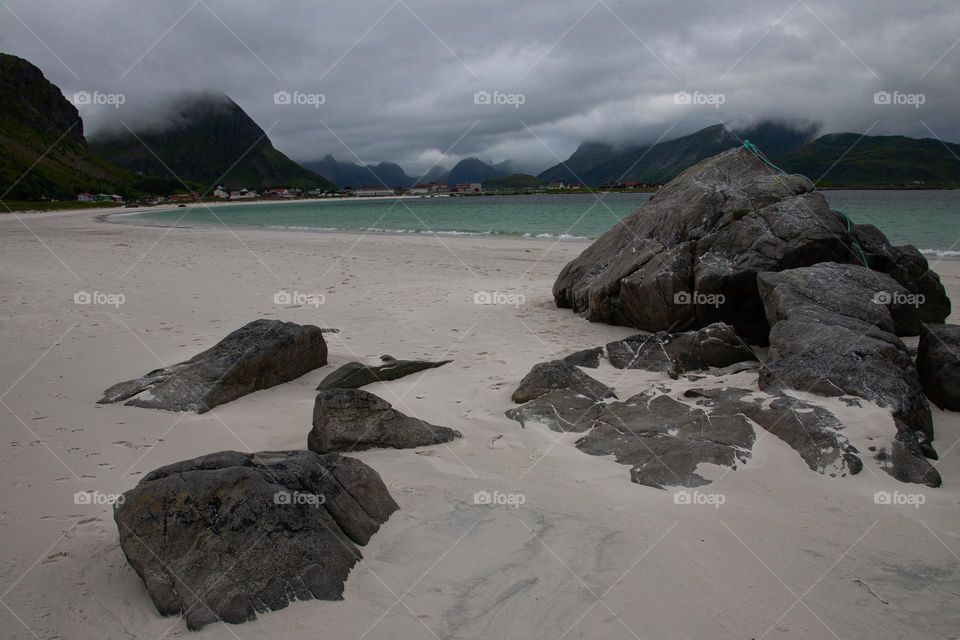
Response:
column 588, row 554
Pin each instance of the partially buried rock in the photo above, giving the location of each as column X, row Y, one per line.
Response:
column 714, row 346
column 833, row 333
column 588, row 358
column 354, row 375
column 230, row 535
column 559, row 374
column 353, row 419
column 258, row 355
column 664, row 440
column 560, row 410
column 938, row 362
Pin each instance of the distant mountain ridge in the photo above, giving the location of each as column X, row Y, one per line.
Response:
column 351, row 175
column 211, row 141
column 842, row 159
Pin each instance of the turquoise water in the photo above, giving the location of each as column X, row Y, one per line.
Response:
column 928, row 219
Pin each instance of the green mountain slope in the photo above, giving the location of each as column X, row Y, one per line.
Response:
column 43, row 153
column 211, row 141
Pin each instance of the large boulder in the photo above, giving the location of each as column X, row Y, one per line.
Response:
column 353, row 419
column 354, row 375
column 909, row 268
column 690, row 256
column 938, row 363
column 714, row 346
column 230, row 535
column 258, row 355
column 833, row 333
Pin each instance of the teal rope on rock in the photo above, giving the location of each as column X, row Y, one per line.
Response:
column 854, row 245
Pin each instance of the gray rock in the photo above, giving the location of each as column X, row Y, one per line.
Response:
column 664, row 440
column 938, row 364
column 353, row 419
column 909, row 268
column 811, row 431
column 558, row 374
column 588, row 358
column 690, row 256
column 716, row 345
column 561, row 410
column 354, row 375
column 258, row 355
column 230, row 535
column 832, row 335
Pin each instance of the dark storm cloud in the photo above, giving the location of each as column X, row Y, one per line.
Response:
column 399, row 79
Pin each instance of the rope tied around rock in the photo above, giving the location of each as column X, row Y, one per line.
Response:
column 854, row 245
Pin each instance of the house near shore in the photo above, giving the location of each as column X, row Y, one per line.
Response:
column 85, row 197
column 221, row 193
column 553, row 186
column 468, row 187
column 243, row 194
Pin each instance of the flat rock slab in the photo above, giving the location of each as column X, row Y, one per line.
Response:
column 354, row 419
column 833, row 333
column 230, row 535
column 691, row 255
column 559, row 374
column 354, row 375
column 714, row 346
column 560, row 410
column 810, row 430
column 258, row 355
column 665, row 440
column 938, row 364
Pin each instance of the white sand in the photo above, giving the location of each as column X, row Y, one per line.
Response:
column 588, row 555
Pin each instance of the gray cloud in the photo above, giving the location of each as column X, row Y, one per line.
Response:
column 399, row 78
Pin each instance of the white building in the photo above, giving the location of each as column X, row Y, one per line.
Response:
column 243, row 194
column 220, row 192
column 373, row 192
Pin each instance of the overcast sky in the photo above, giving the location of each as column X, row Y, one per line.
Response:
column 399, row 78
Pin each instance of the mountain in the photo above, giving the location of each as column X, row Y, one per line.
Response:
column 597, row 163
column 43, row 153
column 512, row 181
column 849, row 159
column 434, row 174
column 349, row 174
column 472, row 170
column 209, row 140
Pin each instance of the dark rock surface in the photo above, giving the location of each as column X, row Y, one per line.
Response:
column 354, row 375
column 811, row 431
column 908, row 267
column 664, row 440
column 832, row 335
column 716, row 345
column 258, row 355
column 559, row 374
column 230, row 535
column 938, row 364
column 353, row 419
column 587, row 358
column 561, row 410
column 691, row 255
